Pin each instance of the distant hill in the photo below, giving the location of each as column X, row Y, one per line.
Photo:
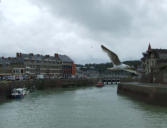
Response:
column 100, row 67
column 134, row 63
column 103, row 66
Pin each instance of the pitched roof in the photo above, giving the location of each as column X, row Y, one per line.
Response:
column 149, row 47
column 160, row 53
column 22, row 57
column 65, row 58
column 38, row 57
column 159, row 50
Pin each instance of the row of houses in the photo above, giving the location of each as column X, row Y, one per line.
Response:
column 57, row 66
column 154, row 66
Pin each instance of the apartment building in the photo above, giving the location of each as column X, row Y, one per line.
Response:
column 56, row 66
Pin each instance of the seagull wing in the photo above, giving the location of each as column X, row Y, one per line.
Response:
column 114, row 58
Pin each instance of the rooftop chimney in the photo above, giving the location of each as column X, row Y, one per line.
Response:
column 17, row 54
column 47, row 56
column 31, row 54
column 56, row 55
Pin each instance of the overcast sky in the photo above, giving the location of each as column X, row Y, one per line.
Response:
column 77, row 28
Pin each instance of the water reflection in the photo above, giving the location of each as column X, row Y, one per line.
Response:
column 80, row 107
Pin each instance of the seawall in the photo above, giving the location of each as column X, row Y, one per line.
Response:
column 151, row 93
column 7, row 86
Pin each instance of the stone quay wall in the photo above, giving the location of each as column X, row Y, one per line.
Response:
column 7, row 86
column 151, row 93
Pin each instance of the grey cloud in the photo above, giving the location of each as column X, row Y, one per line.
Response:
column 117, row 17
column 79, row 27
column 96, row 15
column 114, row 20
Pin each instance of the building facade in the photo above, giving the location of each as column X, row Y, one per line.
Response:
column 56, row 66
column 154, row 60
column 154, row 63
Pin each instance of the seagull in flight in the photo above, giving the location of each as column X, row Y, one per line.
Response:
column 117, row 65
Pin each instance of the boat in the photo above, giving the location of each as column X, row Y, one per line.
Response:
column 99, row 84
column 26, row 91
column 19, row 92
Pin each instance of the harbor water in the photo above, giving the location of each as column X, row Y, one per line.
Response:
column 81, row 108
